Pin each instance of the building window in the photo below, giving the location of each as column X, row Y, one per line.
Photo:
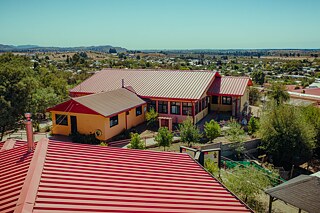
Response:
column 226, row 100
column 62, row 120
column 175, row 108
column 138, row 110
column 151, row 104
column 114, row 121
column 204, row 103
column 163, row 107
column 186, row 108
column 215, row 99
column 197, row 107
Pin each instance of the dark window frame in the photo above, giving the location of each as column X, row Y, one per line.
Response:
column 226, row 100
column 61, row 120
column 176, row 105
column 114, row 121
column 152, row 104
column 197, row 107
column 138, row 110
column 163, row 107
column 204, row 103
column 215, row 99
column 186, row 108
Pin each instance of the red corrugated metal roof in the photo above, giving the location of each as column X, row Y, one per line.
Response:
column 227, row 85
column 150, row 83
column 13, row 170
column 88, row 178
column 309, row 91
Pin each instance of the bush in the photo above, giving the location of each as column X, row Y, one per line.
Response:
column 164, row 137
column 235, row 134
column 212, row 130
column 136, row 142
column 151, row 118
column 103, row 144
column 84, row 138
column 189, row 133
column 253, row 126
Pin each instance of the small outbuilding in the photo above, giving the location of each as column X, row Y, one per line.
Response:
column 302, row 192
column 105, row 114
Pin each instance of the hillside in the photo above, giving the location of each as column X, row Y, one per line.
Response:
column 35, row 48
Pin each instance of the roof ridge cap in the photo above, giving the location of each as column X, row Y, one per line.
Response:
column 31, row 183
column 8, row 144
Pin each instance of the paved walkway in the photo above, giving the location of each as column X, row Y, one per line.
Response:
column 214, row 116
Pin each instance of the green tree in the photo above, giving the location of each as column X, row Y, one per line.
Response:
column 189, row 133
column 235, row 134
column 247, row 183
column 212, row 130
column 136, row 142
column 253, row 125
column 254, row 96
column 16, row 85
column 164, row 137
column 286, row 135
column 151, row 117
column 258, row 77
column 312, row 116
column 278, row 93
column 112, row 50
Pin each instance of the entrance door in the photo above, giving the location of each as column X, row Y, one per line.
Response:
column 73, row 124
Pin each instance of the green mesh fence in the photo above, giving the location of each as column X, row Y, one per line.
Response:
column 275, row 181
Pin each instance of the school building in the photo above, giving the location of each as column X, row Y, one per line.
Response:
column 116, row 99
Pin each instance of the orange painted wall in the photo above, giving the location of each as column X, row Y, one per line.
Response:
column 133, row 120
column 117, row 129
column 88, row 124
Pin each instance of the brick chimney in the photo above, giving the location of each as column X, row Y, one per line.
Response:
column 29, row 131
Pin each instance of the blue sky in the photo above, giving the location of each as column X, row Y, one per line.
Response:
column 162, row 24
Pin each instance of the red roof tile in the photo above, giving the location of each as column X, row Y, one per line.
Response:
column 231, row 86
column 150, row 83
column 88, row 178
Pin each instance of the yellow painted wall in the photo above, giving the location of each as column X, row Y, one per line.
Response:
column 244, row 99
column 134, row 120
column 220, row 107
column 88, row 124
column 117, row 129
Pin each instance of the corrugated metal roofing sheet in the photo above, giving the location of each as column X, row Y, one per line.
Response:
column 13, row 170
column 111, row 102
column 88, row 178
column 227, row 85
column 302, row 192
column 150, row 83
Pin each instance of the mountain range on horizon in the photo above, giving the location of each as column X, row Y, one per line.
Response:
column 36, row 48
column 106, row 48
